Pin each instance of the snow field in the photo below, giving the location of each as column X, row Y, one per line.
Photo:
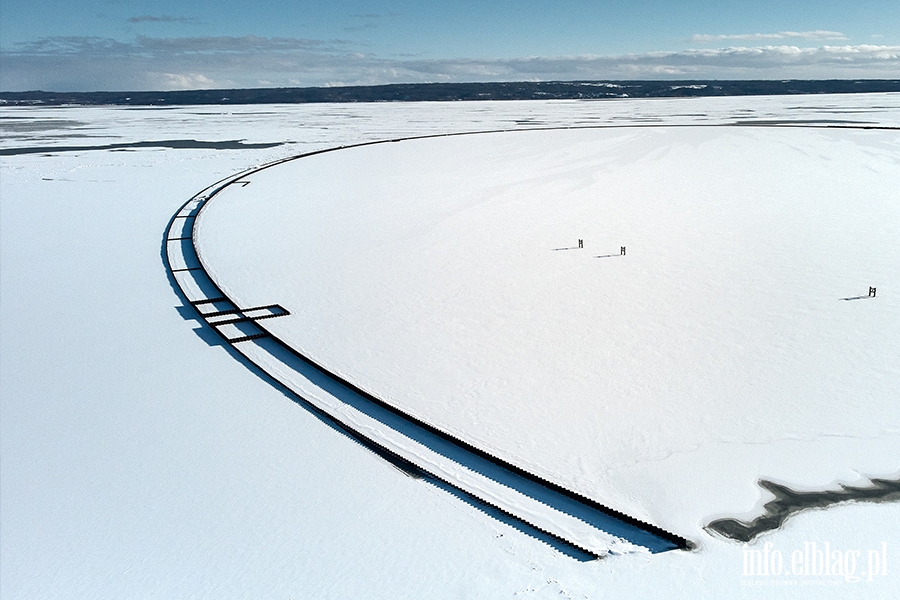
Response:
column 139, row 460
column 430, row 273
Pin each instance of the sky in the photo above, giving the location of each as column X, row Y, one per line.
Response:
column 118, row 45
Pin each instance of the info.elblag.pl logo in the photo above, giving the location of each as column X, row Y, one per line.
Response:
column 814, row 563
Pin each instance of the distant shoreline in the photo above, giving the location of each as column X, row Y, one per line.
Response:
column 448, row 92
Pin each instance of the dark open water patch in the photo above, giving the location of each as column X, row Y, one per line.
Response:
column 803, row 122
column 29, row 125
column 174, row 144
column 788, row 502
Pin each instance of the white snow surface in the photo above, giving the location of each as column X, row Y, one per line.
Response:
column 429, row 273
column 138, row 460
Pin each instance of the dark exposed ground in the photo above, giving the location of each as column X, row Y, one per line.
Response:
column 418, row 92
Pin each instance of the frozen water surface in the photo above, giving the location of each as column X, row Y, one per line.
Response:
column 140, row 459
column 429, row 273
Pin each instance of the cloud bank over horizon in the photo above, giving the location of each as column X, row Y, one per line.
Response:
column 150, row 63
column 781, row 35
column 135, row 45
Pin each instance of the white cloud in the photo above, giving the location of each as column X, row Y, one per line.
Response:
column 84, row 64
column 160, row 19
column 227, row 44
column 775, row 62
column 781, row 35
column 187, row 81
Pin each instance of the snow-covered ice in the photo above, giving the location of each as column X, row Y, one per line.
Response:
column 429, row 273
column 138, row 459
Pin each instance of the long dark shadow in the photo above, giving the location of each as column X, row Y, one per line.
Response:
column 441, row 443
column 213, row 338
column 477, row 460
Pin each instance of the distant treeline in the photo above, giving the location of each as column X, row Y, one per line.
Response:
column 434, row 92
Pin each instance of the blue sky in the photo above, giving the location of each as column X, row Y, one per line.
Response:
column 164, row 44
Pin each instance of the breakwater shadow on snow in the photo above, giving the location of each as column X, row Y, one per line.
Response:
column 411, row 470
column 204, row 332
column 189, row 312
column 788, row 502
column 209, row 336
column 560, row 545
column 476, row 461
column 398, row 462
column 212, row 337
column 451, row 461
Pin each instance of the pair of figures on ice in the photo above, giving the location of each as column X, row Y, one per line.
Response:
column 622, row 252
